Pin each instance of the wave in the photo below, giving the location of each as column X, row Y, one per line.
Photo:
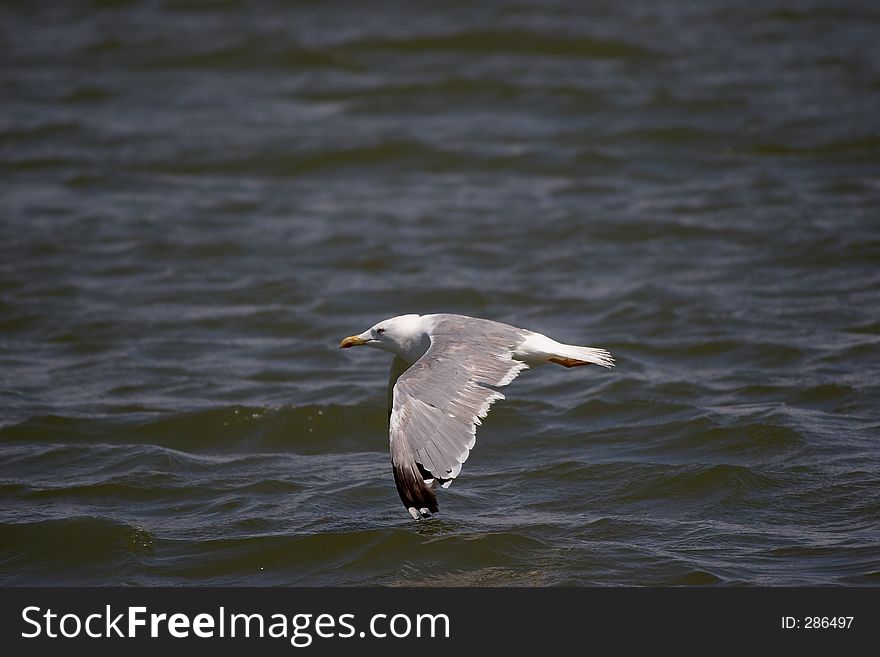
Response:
column 415, row 154
column 309, row 429
column 863, row 148
column 516, row 41
column 70, row 551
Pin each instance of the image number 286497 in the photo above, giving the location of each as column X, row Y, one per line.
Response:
column 817, row 622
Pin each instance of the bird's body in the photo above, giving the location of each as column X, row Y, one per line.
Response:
column 444, row 377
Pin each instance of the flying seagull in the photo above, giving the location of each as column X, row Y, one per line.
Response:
column 445, row 374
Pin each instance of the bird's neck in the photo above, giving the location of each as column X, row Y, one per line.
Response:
column 414, row 343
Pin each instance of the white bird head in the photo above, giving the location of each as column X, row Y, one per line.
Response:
column 400, row 335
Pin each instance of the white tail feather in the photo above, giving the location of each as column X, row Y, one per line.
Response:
column 538, row 349
column 592, row 355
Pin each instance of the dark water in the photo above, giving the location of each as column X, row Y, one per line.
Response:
column 199, row 199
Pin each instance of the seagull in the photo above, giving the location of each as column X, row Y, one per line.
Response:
column 444, row 377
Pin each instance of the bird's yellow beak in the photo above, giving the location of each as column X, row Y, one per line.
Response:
column 352, row 341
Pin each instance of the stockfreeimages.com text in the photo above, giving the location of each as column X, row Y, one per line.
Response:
column 301, row 629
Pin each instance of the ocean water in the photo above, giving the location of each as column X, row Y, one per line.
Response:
column 199, row 199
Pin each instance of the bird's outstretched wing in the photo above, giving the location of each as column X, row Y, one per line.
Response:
column 438, row 402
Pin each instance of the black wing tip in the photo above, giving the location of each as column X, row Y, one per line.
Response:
column 413, row 491
column 427, row 476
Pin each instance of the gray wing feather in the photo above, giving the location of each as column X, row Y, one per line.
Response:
column 439, row 401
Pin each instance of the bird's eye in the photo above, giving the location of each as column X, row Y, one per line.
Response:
column 380, row 331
